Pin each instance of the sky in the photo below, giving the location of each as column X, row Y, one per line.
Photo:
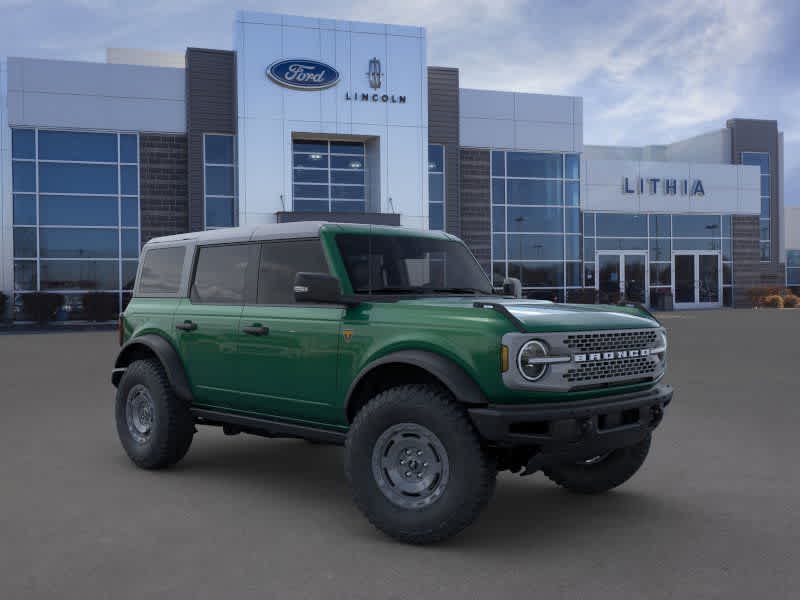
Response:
column 649, row 72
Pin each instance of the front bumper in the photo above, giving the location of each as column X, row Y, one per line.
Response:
column 563, row 431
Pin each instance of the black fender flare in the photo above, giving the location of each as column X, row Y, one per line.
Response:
column 452, row 376
column 166, row 354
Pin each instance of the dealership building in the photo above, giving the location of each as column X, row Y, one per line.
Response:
column 311, row 119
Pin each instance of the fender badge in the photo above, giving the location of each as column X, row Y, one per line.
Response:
column 348, row 335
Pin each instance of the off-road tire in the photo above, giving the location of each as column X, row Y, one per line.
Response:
column 172, row 426
column 610, row 472
column 472, row 470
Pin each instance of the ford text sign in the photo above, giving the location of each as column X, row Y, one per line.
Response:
column 303, row 74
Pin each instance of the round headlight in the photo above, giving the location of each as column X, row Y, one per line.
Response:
column 527, row 360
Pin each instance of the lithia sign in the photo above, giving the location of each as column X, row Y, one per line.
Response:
column 667, row 186
column 306, row 74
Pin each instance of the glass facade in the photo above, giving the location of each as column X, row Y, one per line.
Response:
column 75, row 215
column 435, row 186
column 536, row 221
column 761, row 160
column 793, row 268
column 219, row 169
column 328, row 176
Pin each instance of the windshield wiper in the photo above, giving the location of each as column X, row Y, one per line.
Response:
column 389, row 290
column 460, row 290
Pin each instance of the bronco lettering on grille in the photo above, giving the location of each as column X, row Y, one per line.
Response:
column 610, row 355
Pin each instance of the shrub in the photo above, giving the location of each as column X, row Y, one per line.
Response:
column 790, row 301
column 773, row 301
column 758, row 295
column 98, row 306
column 41, row 306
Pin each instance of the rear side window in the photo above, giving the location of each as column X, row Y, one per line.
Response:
column 219, row 277
column 161, row 271
column 280, row 262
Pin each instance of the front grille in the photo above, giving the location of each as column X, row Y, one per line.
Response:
column 611, row 340
column 619, row 368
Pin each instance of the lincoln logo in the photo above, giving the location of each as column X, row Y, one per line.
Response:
column 595, row 356
column 301, row 74
column 374, row 74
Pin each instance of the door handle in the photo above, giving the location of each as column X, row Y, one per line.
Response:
column 256, row 330
column 186, row 326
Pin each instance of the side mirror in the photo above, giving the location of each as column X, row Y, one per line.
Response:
column 317, row 287
column 512, row 287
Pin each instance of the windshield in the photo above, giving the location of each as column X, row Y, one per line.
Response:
column 385, row 264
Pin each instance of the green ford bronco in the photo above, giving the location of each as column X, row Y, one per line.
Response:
column 390, row 342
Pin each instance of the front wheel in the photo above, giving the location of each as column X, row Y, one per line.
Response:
column 416, row 465
column 601, row 473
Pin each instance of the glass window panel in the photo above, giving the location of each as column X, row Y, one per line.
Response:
column 588, row 249
column 436, row 187
column 572, row 220
column 727, row 273
column 588, row 224
column 316, row 161
column 310, row 191
column 78, row 243
column 77, row 145
column 129, row 176
column 219, row 274
column 695, row 244
column 498, row 163
column 161, row 271
column 621, row 243
column 219, row 149
column 499, row 247
column 310, row 146
column 129, row 273
column 543, row 274
column 765, row 185
column 347, row 192
column 766, row 251
column 660, row 249
column 347, row 162
column 660, row 226
column 77, row 179
column 498, row 218
column 765, row 208
column 311, row 205
column 436, row 216
column 23, row 143
column 24, row 209
column 498, row 191
column 759, row 159
column 522, row 191
column 793, row 277
column 763, row 229
column 498, row 273
column 661, row 274
column 347, row 148
column 130, row 243
column 622, row 225
column 25, row 275
column 128, row 148
column 535, row 247
column 539, row 220
column 793, row 258
column 573, row 274
column 219, row 212
column 79, row 275
column 572, row 245
column 77, row 210
column 280, row 262
column 25, row 242
column 696, row 225
column 727, row 297
column 532, row 164
column 727, row 226
column 23, row 176
column 573, row 166
column 727, row 249
column 348, row 206
column 130, row 212
column 219, row 181
column 572, row 190
column 588, row 274
column 435, row 158
column 311, row 175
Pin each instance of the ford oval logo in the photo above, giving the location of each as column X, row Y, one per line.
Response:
column 303, row 74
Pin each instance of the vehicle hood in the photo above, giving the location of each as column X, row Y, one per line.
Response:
column 539, row 316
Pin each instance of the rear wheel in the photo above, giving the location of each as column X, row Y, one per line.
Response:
column 416, row 465
column 600, row 473
column 154, row 426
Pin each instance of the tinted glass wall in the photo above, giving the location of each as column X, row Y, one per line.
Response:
column 536, row 221
column 761, row 160
column 435, row 186
column 76, row 215
column 328, row 176
column 793, row 268
column 219, row 169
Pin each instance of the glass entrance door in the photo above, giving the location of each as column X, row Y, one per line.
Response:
column 622, row 276
column 697, row 279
